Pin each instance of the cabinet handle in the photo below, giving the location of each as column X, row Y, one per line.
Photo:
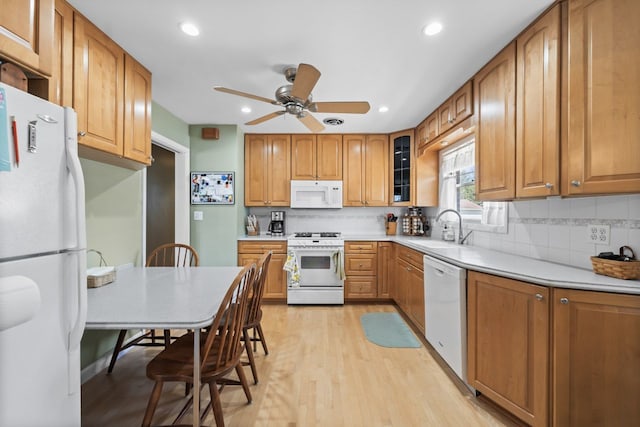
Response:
column 548, row 185
column 564, row 300
column 408, row 268
column 575, row 183
column 81, row 133
column 539, row 297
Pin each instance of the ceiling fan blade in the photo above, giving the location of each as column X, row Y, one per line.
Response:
column 265, row 118
column 340, row 107
column 306, row 78
column 246, row 95
column 310, row 122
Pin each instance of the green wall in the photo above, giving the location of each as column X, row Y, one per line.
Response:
column 216, row 235
column 113, row 212
column 168, row 125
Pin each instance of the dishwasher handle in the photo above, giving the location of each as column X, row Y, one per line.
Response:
column 441, row 268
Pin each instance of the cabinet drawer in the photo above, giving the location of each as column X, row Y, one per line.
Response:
column 251, row 247
column 361, row 247
column 411, row 256
column 361, row 287
column 361, row 264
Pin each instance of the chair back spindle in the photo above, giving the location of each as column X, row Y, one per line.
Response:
column 228, row 322
column 173, row 255
column 259, row 280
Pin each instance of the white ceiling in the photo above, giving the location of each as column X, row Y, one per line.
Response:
column 366, row 50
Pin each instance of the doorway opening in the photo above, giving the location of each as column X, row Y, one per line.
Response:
column 177, row 154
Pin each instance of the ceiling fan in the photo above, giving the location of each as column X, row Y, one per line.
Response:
column 297, row 100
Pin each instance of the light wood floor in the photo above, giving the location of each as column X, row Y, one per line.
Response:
column 321, row 371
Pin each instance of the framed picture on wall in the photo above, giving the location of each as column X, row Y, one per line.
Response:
column 212, row 188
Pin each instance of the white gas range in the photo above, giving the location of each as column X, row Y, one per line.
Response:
column 315, row 268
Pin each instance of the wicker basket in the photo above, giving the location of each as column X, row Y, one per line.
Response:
column 618, row 269
column 102, row 275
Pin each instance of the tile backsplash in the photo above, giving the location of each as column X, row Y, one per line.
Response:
column 349, row 221
column 555, row 229
column 552, row 229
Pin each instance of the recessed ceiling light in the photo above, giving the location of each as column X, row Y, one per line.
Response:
column 383, row 109
column 432, row 29
column 245, row 109
column 189, row 29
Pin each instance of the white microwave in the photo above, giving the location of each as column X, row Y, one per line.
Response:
column 316, row 194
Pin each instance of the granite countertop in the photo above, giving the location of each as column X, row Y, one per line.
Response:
column 501, row 264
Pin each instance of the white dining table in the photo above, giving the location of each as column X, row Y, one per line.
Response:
column 162, row 298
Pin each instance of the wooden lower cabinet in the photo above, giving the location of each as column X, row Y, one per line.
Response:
column 508, row 344
column 361, row 268
column 251, row 251
column 386, row 263
column 596, row 359
column 409, row 285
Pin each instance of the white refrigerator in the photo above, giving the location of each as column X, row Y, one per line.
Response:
column 42, row 263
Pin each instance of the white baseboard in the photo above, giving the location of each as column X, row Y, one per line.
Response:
column 102, row 363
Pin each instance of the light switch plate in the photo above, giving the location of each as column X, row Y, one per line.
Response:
column 197, row 215
column 599, row 233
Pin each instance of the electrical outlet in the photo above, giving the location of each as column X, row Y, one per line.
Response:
column 197, row 215
column 599, row 233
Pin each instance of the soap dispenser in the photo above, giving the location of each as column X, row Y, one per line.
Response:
column 447, row 233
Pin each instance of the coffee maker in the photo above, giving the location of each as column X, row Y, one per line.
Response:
column 276, row 226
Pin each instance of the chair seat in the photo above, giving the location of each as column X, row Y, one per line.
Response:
column 175, row 363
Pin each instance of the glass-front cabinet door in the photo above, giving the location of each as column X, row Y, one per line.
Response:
column 402, row 160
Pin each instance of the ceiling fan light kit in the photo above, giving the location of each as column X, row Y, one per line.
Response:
column 297, row 100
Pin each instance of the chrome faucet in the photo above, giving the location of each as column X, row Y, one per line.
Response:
column 461, row 239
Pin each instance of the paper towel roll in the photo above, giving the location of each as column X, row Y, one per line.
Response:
column 19, row 301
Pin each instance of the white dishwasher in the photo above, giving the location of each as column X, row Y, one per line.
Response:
column 445, row 306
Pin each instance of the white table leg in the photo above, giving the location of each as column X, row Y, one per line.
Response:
column 196, row 377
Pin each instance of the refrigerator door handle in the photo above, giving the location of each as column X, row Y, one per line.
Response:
column 75, row 169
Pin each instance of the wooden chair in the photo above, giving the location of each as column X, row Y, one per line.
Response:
column 221, row 349
column 254, row 314
column 167, row 255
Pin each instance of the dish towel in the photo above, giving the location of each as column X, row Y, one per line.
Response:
column 291, row 266
column 338, row 262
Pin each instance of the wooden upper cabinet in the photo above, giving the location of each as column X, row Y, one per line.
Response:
column 602, row 150
column 431, row 128
column 421, row 133
column 137, row 112
column 538, row 108
column 353, row 170
column 376, row 170
column 304, row 153
column 401, row 169
column 61, row 81
column 267, row 168
column 329, row 157
column 365, row 170
column 445, row 121
column 508, row 344
column 495, row 90
column 26, row 30
column 455, row 109
column 316, row 157
column 98, row 83
column 596, row 341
